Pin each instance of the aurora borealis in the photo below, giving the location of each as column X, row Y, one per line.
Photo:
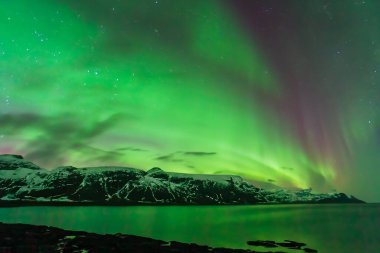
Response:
column 283, row 92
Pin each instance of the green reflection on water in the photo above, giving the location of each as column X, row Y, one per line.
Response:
column 328, row 228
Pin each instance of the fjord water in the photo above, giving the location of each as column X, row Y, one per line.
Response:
column 333, row 228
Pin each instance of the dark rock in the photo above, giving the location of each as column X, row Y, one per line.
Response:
column 300, row 244
column 310, row 250
column 30, row 238
column 291, row 244
column 287, row 244
column 267, row 244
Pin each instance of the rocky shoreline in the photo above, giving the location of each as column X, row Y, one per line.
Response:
column 17, row 238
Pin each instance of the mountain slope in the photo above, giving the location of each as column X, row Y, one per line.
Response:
column 24, row 181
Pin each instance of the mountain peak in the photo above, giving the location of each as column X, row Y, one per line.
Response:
column 154, row 170
column 10, row 156
column 13, row 162
column 157, row 173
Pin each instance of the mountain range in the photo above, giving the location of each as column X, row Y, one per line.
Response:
column 22, row 181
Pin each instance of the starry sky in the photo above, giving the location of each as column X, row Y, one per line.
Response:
column 280, row 92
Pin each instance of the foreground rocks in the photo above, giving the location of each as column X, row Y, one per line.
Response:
column 17, row 238
column 24, row 183
column 286, row 244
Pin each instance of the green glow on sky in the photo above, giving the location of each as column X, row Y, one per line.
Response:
column 182, row 86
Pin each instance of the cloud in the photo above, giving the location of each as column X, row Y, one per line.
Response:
column 48, row 139
column 169, row 158
column 131, row 149
column 198, row 153
column 179, row 156
column 10, row 123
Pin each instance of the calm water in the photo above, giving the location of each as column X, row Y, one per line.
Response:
column 328, row 228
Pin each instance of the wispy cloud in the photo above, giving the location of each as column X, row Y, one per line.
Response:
column 198, row 153
column 180, row 156
column 49, row 138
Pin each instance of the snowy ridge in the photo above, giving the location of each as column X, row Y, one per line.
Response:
column 21, row 180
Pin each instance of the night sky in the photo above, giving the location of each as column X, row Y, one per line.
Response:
column 281, row 92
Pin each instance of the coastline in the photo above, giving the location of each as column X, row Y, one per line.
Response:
column 25, row 203
column 33, row 238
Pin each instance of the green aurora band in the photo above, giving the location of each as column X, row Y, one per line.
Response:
column 182, row 85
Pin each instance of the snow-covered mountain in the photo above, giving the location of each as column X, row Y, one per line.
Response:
column 21, row 180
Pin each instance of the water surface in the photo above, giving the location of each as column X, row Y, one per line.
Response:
column 349, row 228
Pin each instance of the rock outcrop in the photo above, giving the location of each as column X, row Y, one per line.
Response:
column 30, row 238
